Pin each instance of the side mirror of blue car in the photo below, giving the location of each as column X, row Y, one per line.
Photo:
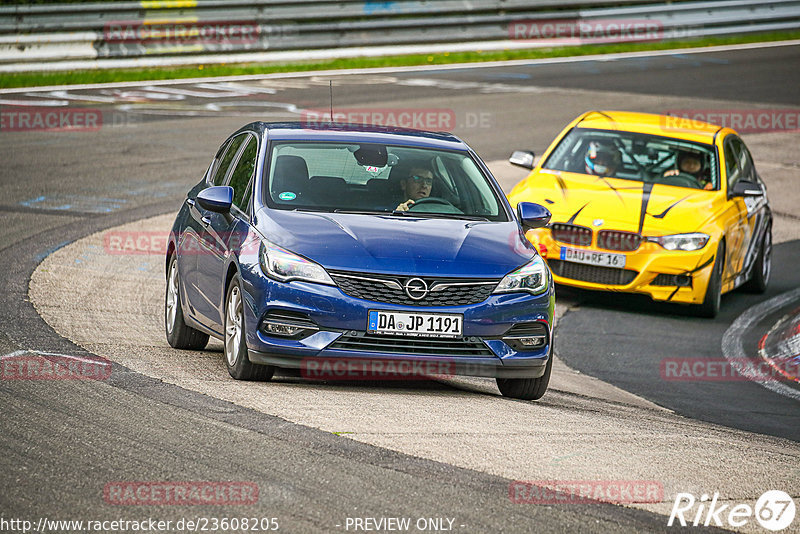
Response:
column 532, row 215
column 217, row 198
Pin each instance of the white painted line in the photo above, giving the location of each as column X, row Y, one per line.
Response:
column 16, row 353
column 417, row 68
column 37, row 102
column 733, row 346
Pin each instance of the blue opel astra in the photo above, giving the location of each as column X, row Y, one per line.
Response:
column 356, row 252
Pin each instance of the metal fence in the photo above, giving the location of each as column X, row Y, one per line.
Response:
column 172, row 32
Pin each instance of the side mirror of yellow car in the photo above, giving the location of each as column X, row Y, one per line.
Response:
column 523, row 158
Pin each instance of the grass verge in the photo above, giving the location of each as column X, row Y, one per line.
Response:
column 32, row 79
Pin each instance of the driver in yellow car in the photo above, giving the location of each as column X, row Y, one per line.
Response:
column 416, row 186
column 690, row 163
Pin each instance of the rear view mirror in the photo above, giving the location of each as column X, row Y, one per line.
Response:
column 532, row 215
column 217, row 198
column 371, row 156
column 523, row 158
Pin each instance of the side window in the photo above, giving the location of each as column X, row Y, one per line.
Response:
column 746, row 162
column 732, row 155
column 242, row 173
column 215, row 163
column 233, row 147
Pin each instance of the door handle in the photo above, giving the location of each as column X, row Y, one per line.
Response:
column 205, row 220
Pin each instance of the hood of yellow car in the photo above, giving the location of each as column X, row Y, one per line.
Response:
column 617, row 204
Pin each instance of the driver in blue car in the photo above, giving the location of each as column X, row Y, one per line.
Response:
column 415, row 186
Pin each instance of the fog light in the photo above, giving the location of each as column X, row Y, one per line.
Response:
column 281, row 323
column 525, row 343
column 537, row 341
column 280, row 329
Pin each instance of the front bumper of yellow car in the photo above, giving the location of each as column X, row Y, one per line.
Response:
column 665, row 275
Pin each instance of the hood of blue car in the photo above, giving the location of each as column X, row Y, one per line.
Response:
column 389, row 244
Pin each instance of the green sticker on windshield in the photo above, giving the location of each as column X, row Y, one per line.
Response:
column 287, row 195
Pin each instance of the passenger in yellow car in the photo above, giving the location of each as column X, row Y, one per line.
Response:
column 691, row 163
column 602, row 159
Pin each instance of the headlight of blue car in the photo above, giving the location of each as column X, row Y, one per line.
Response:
column 282, row 265
column 531, row 277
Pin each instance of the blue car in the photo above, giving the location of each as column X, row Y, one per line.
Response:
column 351, row 251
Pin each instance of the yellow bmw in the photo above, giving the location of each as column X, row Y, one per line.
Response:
column 652, row 204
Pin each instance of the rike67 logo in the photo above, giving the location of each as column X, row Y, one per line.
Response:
column 774, row 510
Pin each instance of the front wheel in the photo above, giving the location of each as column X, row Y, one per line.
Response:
column 239, row 365
column 179, row 335
column 763, row 267
column 711, row 303
column 526, row 388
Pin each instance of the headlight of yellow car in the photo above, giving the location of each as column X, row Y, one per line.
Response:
column 687, row 242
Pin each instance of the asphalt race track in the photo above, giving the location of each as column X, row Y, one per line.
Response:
column 321, row 454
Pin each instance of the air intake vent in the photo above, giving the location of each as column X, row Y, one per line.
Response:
column 416, row 346
column 590, row 273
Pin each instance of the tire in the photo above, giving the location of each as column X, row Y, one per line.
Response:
column 179, row 335
column 759, row 278
column 236, row 360
column 526, row 388
column 711, row 302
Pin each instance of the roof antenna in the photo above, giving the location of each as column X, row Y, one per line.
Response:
column 330, row 87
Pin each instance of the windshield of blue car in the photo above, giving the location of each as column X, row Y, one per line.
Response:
column 342, row 177
column 636, row 156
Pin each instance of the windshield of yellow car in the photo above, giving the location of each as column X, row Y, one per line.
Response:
column 638, row 157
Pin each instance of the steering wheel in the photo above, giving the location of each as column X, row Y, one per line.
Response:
column 433, row 201
column 680, row 179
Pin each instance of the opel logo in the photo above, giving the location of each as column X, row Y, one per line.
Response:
column 416, row 288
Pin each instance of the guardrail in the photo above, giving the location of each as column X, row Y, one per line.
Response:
column 173, row 32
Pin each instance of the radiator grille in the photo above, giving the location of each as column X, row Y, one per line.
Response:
column 571, row 234
column 390, row 289
column 616, row 240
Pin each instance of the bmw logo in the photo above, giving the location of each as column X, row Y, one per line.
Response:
column 416, row 288
column 598, row 222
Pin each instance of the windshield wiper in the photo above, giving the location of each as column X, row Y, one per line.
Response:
column 434, row 215
column 358, row 212
column 310, row 210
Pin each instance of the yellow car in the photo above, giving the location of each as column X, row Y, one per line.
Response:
column 654, row 204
